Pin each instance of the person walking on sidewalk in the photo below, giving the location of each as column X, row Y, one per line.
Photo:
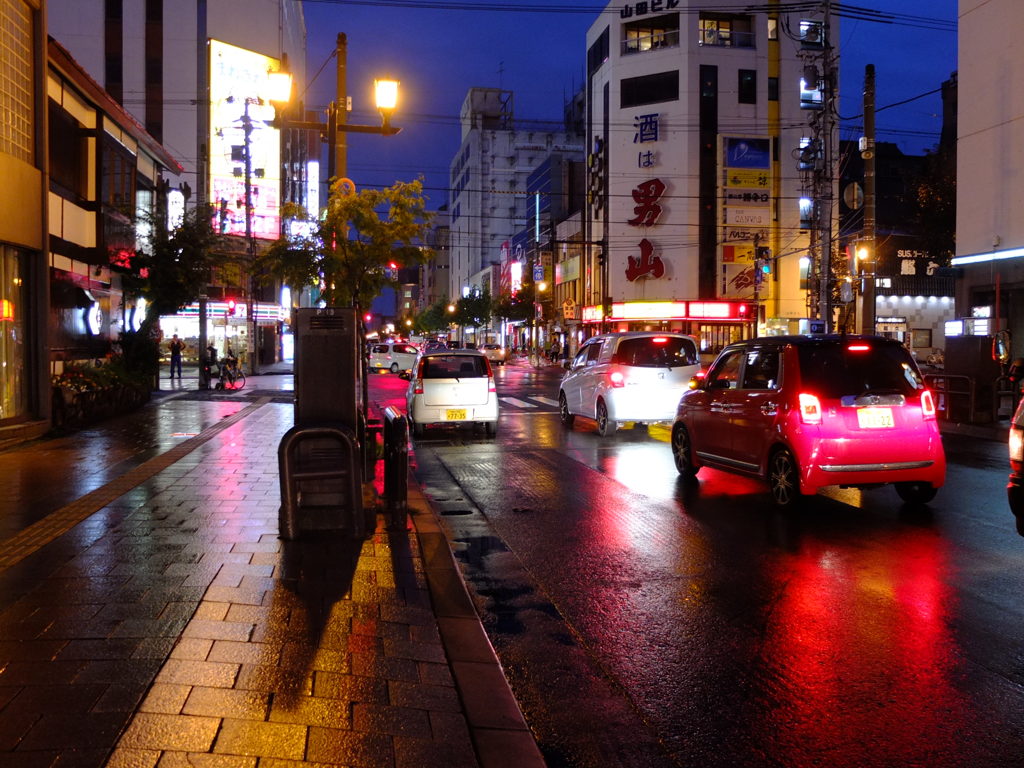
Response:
column 177, row 347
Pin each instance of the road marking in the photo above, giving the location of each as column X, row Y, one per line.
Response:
column 545, row 400
column 518, row 403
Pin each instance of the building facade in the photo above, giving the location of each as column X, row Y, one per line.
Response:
column 697, row 115
column 24, row 278
column 488, row 183
column 990, row 184
column 191, row 73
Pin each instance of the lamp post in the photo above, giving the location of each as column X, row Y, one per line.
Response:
column 866, row 269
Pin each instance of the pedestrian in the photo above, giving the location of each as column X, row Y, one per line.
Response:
column 177, row 347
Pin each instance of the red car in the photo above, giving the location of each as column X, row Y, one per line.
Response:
column 805, row 412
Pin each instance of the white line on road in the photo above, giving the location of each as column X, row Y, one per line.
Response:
column 545, row 400
column 518, row 403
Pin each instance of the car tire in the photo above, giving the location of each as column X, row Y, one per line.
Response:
column 916, row 493
column 605, row 426
column 784, row 479
column 394, row 368
column 564, row 416
column 490, row 428
column 681, row 452
column 417, row 429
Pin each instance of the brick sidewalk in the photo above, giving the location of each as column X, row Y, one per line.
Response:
column 159, row 621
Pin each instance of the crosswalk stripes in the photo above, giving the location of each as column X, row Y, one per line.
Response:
column 532, row 402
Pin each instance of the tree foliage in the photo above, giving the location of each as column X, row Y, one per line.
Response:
column 518, row 307
column 474, row 310
column 170, row 269
column 434, row 319
column 357, row 243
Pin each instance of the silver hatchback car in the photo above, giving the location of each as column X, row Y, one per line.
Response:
column 636, row 376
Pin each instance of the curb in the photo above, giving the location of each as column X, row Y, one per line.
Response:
column 497, row 727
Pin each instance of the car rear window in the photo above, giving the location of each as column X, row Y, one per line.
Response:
column 657, row 352
column 837, row 370
column 453, row 367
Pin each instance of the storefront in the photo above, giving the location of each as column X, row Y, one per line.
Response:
column 13, row 383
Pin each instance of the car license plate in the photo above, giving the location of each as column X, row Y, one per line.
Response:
column 455, row 414
column 875, row 418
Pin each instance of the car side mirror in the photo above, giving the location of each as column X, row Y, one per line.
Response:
column 566, row 364
column 407, row 375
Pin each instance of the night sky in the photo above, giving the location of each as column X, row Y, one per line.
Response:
column 440, row 49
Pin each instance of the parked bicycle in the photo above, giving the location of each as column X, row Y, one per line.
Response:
column 229, row 372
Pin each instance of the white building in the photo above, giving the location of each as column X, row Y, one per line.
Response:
column 990, row 170
column 696, row 119
column 488, row 184
column 192, row 72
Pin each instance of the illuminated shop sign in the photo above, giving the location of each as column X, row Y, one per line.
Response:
column 670, row 310
column 238, row 85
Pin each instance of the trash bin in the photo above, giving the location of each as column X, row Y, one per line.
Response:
column 320, row 459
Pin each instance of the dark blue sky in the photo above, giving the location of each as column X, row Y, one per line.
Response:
column 439, row 51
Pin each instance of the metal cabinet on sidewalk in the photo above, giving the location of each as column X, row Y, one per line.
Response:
column 320, row 458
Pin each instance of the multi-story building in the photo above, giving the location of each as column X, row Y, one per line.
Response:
column 488, row 184
column 990, row 172
column 24, row 274
column 192, row 74
column 697, row 113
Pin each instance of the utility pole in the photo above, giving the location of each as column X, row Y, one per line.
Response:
column 823, row 126
column 339, row 139
column 867, row 153
column 250, row 241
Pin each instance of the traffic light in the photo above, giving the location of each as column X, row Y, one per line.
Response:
column 232, row 306
column 763, row 264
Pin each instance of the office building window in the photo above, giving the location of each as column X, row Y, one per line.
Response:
column 725, row 30
column 649, row 89
column 651, row 34
column 746, row 88
column 16, row 130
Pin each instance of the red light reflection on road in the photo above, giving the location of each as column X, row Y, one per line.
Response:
column 844, row 637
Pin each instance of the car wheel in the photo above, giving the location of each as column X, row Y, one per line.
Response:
column 681, row 452
column 605, row 426
column 490, row 428
column 783, row 479
column 394, row 368
column 916, row 493
column 566, row 418
column 417, row 429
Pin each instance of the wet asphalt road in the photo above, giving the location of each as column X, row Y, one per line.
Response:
column 643, row 621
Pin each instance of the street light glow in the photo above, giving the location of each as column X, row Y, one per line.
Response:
column 386, row 94
column 279, row 86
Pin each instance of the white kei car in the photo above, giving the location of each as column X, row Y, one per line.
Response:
column 452, row 386
column 628, row 376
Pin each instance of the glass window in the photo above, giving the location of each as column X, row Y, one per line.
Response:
column 725, row 30
column 12, row 334
column 16, row 85
column 657, row 352
column 762, row 369
column 594, row 352
column 747, row 86
column 649, row 89
column 453, row 367
column 726, row 373
column 834, row 370
column 651, row 34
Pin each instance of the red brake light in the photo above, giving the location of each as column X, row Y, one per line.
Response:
column 810, row 409
column 617, row 379
column 927, row 405
column 659, row 340
column 857, row 347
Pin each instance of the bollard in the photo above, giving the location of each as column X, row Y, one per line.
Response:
column 396, row 465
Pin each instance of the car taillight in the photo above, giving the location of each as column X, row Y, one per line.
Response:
column 810, row 409
column 927, row 406
column 617, row 379
column 417, row 388
column 1016, row 444
column 490, row 385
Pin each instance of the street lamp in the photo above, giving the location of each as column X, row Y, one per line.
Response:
column 867, row 275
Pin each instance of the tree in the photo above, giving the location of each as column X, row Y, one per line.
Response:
column 170, row 269
column 474, row 310
column 433, row 319
column 358, row 246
